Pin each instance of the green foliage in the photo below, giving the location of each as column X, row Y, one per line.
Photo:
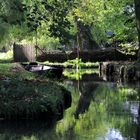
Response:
column 37, row 20
column 49, row 44
column 11, row 14
column 3, row 30
column 129, row 48
column 116, row 16
column 78, row 63
column 106, row 111
column 77, row 74
column 52, row 13
column 6, row 56
column 21, row 98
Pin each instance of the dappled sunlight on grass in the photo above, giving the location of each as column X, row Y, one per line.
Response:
column 6, row 57
column 14, row 70
column 78, row 73
column 75, row 63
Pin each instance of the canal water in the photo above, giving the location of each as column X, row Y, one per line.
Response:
column 100, row 110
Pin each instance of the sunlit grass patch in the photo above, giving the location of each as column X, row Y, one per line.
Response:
column 74, row 63
column 79, row 63
column 14, row 70
column 6, row 56
column 77, row 74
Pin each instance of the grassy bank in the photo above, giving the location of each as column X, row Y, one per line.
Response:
column 14, row 70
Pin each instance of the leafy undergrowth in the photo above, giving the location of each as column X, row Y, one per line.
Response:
column 22, row 99
column 23, row 95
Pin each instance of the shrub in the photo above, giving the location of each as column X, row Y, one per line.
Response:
column 22, row 99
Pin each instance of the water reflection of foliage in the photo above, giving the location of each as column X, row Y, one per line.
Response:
column 88, row 125
column 105, row 112
column 78, row 73
column 117, row 104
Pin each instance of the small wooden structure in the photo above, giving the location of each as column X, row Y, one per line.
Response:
column 24, row 53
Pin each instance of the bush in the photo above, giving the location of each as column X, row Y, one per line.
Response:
column 25, row 99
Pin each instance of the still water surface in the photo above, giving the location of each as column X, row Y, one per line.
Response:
column 100, row 110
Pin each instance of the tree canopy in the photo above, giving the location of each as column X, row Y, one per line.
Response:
column 57, row 19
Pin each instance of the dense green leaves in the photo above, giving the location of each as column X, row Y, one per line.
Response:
column 53, row 14
column 18, row 102
column 56, row 18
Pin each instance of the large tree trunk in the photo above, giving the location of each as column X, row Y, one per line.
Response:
column 85, row 39
column 137, row 11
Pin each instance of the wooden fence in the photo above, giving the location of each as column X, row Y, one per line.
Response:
column 24, row 53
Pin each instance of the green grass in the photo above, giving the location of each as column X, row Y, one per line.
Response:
column 79, row 63
column 6, row 57
column 74, row 63
column 14, row 70
column 77, row 74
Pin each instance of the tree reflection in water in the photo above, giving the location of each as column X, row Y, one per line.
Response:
column 86, row 90
column 105, row 110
